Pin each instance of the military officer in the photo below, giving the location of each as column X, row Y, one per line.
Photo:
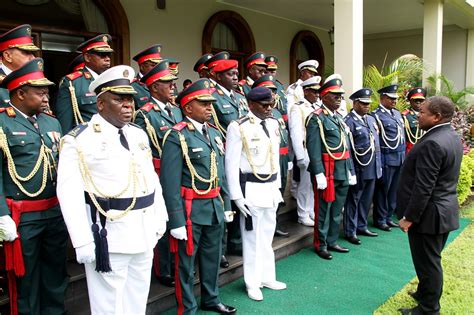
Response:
column 253, row 176
column 415, row 96
column 342, row 110
column 297, row 124
column 106, row 178
column 212, row 62
column 256, row 67
column 280, row 102
column 270, row 82
column 365, row 151
column 392, row 145
column 146, row 60
column 16, row 48
column 200, row 66
column 156, row 118
column 29, row 139
column 77, row 64
column 75, row 104
column 197, row 199
column 294, row 92
column 327, row 142
column 229, row 105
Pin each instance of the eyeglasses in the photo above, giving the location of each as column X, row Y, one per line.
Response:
column 266, row 105
column 100, row 54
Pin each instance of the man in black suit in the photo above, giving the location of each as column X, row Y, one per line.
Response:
column 427, row 204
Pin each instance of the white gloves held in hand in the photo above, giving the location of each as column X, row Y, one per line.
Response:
column 229, row 216
column 352, row 180
column 85, row 254
column 321, row 181
column 179, row 233
column 240, row 203
column 8, row 227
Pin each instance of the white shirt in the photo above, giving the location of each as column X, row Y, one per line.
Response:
column 93, row 73
column 434, row 127
column 197, row 125
column 161, row 105
column 5, row 69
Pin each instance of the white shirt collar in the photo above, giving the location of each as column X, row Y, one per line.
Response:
column 250, row 81
column 6, row 69
column 226, row 91
column 22, row 114
column 108, row 127
column 440, row 125
column 330, row 111
column 197, row 125
column 160, row 104
column 256, row 119
column 93, row 73
column 385, row 109
column 357, row 115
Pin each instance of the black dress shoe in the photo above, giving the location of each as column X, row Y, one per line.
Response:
column 324, row 254
column 413, row 311
column 338, row 248
column 224, row 263
column 414, row 295
column 220, row 308
column 353, row 239
column 367, row 233
column 281, row 233
column 166, row 280
column 392, row 224
column 383, row 227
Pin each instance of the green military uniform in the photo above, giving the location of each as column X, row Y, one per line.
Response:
column 143, row 94
column 282, row 103
column 207, row 216
column 41, row 290
column 75, row 104
column 284, row 157
column 245, row 86
column 321, row 127
column 410, row 117
column 4, row 94
column 227, row 109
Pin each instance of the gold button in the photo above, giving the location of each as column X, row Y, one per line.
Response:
column 22, row 142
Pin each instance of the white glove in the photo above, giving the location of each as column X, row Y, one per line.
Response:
column 352, row 179
column 179, row 233
column 321, row 181
column 161, row 229
column 86, row 253
column 302, row 164
column 228, row 216
column 8, row 227
column 240, row 203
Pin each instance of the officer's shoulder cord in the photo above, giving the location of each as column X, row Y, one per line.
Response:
column 75, row 107
column 268, row 156
column 328, row 148
column 213, row 179
column 44, row 156
column 150, row 131
column 88, row 181
column 217, row 123
column 385, row 138
column 370, row 148
column 412, row 138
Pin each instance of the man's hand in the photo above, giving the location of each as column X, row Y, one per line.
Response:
column 321, row 181
column 352, row 179
column 404, row 224
column 8, row 227
column 85, row 254
column 179, row 233
column 240, row 203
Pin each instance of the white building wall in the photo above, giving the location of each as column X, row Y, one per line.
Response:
column 179, row 29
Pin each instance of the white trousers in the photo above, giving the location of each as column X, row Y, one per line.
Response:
column 305, row 196
column 259, row 258
column 125, row 289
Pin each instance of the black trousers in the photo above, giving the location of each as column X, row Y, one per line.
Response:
column 426, row 254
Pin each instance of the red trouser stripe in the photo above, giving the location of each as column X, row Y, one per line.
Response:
column 409, row 146
column 178, row 290
column 156, row 261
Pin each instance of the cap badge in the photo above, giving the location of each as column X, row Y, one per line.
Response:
column 125, row 73
column 419, row 90
column 261, row 55
column 104, row 38
column 272, row 59
column 158, row 49
column 206, row 84
column 28, row 31
column 40, row 65
column 226, row 56
column 271, row 78
column 367, row 92
column 338, row 82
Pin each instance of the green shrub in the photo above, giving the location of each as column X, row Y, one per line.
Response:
column 465, row 178
column 471, row 164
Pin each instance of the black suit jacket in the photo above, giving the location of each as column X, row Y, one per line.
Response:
column 426, row 193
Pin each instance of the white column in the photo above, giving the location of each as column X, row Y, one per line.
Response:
column 470, row 58
column 432, row 38
column 348, row 43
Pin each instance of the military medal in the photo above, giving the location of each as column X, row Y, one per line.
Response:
column 220, row 145
column 96, row 128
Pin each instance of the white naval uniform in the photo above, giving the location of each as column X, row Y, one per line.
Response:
column 297, row 126
column 131, row 239
column 261, row 198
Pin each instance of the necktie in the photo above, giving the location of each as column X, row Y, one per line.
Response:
column 168, row 110
column 32, row 120
column 232, row 96
column 123, row 140
column 264, row 125
column 204, row 132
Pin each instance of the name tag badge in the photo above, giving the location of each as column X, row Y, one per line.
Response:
column 163, row 128
column 226, row 105
column 18, row 133
column 197, row 149
column 357, row 128
column 90, row 94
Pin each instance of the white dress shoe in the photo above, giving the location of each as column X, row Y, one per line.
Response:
column 255, row 294
column 274, row 285
column 306, row 221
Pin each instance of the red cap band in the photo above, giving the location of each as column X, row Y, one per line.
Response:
column 328, row 89
column 149, row 56
column 93, row 45
column 20, row 81
column 251, row 63
column 15, row 41
column 267, row 84
column 417, row 94
column 155, row 77
column 191, row 96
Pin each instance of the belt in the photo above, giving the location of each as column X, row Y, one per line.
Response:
column 250, row 177
column 14, row 263
column 100, row 235
column 284, row 151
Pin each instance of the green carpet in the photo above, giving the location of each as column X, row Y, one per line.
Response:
column 354, row 283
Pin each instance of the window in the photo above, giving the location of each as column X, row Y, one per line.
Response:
column 305, row 45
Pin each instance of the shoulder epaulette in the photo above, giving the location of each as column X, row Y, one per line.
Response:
column 405, row 112
column 242, row 82
column 299, row 103
column 147, row 107
column 73, row 76
column 243, row 119
column 2, row 109
column 213, row 126
column 10, row 111
column 78, row 130
column 292, row 86
column 180, row 126
column 318, row 111
column 134, row 125
column 240, row 92
column 48, row 114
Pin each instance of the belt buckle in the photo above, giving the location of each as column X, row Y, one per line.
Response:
column 104, row 203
